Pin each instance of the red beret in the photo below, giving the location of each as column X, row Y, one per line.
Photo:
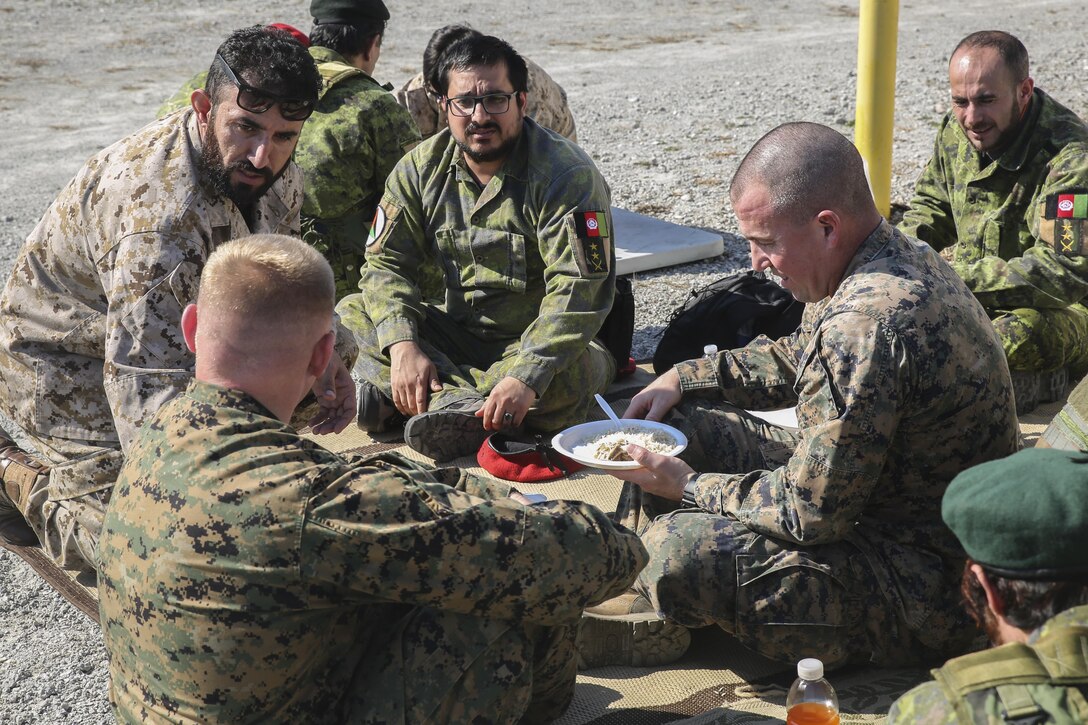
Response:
column 519, row 459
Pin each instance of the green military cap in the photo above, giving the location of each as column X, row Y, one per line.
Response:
column 1025, row 516
column 347, row 12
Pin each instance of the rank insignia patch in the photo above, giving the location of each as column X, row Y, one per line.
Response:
column 591, row 224
column 1067, row 206
column 590, row 241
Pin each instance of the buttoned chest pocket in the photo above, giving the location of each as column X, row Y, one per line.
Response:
column 483, row 258
column 817, row 399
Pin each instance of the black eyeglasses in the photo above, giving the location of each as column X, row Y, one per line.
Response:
column 493, row 103
column 256, row 100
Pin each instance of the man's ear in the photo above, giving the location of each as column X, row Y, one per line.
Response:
column 993, row 598
column 832, row 225
column 188, row 327
column 321, row 354
column 1023, row 92
column 202, row 105
column 523, row 100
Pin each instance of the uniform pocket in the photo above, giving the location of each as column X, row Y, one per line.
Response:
column 817, row 402
column 483, row 258
column 790, row 605
column 69, row 401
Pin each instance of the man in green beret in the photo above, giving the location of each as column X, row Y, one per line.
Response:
column 1023, row 522
column 355, row 137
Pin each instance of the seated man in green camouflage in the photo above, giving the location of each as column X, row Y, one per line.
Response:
column 1005, row 200
column 249, row 575
column 517, row 219
column 354, row 138
column 1024, row 522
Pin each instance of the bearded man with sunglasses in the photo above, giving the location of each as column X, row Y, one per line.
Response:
column 516, row 218
column 89, row 339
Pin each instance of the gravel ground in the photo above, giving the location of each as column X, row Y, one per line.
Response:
column 667, row 98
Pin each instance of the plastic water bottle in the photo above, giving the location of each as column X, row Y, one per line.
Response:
column 812, row 700
column 710, row 351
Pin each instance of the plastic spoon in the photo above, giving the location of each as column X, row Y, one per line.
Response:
column 608, row 410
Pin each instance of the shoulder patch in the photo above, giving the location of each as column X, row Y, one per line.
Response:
column 591, row 242
column 385, row 218
column 1067, row 206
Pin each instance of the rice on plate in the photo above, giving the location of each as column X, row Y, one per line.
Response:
column 600, row 445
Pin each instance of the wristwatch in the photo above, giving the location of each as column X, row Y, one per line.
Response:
column 688, row 498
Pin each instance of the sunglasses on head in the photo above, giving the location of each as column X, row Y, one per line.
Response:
column 256, row 100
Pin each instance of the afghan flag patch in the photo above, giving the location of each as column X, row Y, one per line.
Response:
column 591, row 224
column 1072, row 205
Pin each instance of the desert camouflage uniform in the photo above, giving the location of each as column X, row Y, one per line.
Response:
column 827, row 540
column 526, row 289
column 250, row 575
column 347, row 148
column 546, row 103
column 931, row 704
column 1029, row 270
column 90, row 338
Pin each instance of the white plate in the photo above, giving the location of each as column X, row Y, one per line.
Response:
column 567, row 441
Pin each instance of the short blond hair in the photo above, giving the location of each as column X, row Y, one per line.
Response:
column 267, row 281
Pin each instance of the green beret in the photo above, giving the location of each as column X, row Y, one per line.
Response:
column 347, row 12
column 1025, row 516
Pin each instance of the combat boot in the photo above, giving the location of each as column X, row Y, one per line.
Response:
column 1031, row 389
column 377, row 413
column 447, row 433
column 627, row 631
column 18, row 472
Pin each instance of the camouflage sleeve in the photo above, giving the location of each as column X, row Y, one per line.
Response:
column 395, row 250
column 401, row 537
column 929, row 216
column 759, row 376
column 349, row 153
column 149, row 279
column 421, row 107
column 926, row 704
column 1053, row 272
column 851, row 387
column 580, row 278
column 180, row 99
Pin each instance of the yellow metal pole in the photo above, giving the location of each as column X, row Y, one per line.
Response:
column 878, row 26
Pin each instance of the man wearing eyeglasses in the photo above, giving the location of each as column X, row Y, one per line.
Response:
column 89, row 341
column 517, row 219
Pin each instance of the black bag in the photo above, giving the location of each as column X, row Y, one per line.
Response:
column 618, row 329
column 729, row 313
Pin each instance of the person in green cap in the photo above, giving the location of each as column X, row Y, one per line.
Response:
column 1023, row 521
column 355, row 137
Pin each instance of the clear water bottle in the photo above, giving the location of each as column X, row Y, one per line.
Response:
column 812, row 700
column 710, row 352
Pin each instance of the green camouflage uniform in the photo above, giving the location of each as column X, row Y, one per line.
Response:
column 934, row 703
column 992, row 222
column 1069, row 429
column 347, row 148
column 827, row 540
column 529, row 276
column 546, row 103
column 250, row 575
column 180, row 99
column 90, row 340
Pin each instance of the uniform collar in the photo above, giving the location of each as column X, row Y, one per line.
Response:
column 220, row 397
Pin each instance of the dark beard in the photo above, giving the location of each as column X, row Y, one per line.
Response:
column 499, row 152
column 216, row 175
